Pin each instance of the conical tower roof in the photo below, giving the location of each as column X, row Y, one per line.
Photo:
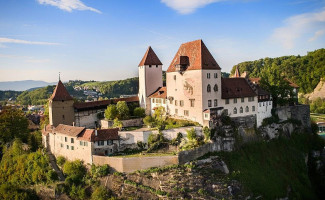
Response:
column 60, row 93
column 150, row 58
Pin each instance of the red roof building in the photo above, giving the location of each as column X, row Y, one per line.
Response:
column 150, row 58
column 60, row 93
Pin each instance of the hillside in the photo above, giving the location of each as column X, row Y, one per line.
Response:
column 23, row 85
column 306, row 71
column 319, row 91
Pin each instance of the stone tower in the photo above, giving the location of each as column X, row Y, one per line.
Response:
column 61, row 110
column 150, row 78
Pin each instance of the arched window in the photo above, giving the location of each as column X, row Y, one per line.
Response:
column 209, row 88
column 235, row 110
column 241, row 110
column 215, row 88
column 247, row 109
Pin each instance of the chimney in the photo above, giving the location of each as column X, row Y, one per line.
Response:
column 95, row 132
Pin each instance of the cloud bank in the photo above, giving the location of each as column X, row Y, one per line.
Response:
column 299, row 26
column 16, row 41
column 68, row 5
column 187, row 6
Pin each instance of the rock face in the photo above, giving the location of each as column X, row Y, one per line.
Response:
column 319, row 91
column 274, row 130
column 202, row 179
column 297, row 112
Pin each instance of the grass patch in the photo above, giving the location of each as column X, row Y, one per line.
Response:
column 268, row 168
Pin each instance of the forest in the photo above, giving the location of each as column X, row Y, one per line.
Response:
column 306, row 71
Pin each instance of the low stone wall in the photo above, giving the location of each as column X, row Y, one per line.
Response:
column 297, row 112
column 222, row 144
column 126, row 123
column 131, row 164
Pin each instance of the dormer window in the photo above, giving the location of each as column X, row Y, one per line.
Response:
column 183, row 64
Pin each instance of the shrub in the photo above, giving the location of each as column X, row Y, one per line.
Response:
column 141, row 145
column 177, row 140
column 117, row 123
column 99, row 171
column 111, row 112
column 60, row 160
column 100, row 193
column 122, row 110
column 77, row 192
column 191, row 134
column 149, row 121
column 156, row 141
column 139, row 112
column 52, row 176
column 207, row 133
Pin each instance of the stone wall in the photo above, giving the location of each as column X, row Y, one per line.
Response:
column 126, row 123
column 131, row 164
column 221, row 144
column 297, row 112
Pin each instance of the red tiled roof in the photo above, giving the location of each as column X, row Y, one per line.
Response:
column 47, row 130
column 73, row 131
column 103, row 103
column 198, row 55
column 60, row 93
column 257, row 81
column 105, row 134
column 86, row 135
column 236, row 88
column 150, row 58
column 161, row 92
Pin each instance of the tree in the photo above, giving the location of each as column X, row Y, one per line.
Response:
column 100, row 193
column 13, row 124
column 117, row 123
column 122, row 110
column 111, row 112
column 139, row 112
column 191, row 134
column 149, row 121
column 160, row 117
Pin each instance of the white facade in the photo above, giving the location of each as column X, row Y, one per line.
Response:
column 264, row 111
column 240, row 107
column 150, row 79
column 157, row 102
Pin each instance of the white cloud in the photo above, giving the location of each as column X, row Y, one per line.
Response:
column 317, row 35
column 188, row 6
column 68, row 5
column 16, row 41
column 298, row 26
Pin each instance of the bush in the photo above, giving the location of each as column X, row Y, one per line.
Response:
column 207, row 133
column 122, row 110
column 191, row 134
column 117, row 123
column 60, row 160
column 111, row 112
column 13, row 192
column 149, row 121
column 141, row 145
column 52, row 176
column 77, row 192
column 156, row 141
column 75, row 172
column 176, row 141
column 100, row 193
column 139, row 112
column 99, row 171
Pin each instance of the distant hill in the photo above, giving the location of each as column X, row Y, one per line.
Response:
column 23, row 85
column 306, row 71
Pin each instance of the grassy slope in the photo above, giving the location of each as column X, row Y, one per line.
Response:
column 268, row 168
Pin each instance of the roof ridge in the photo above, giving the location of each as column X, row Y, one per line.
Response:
column 150, row 58
column 60, row 93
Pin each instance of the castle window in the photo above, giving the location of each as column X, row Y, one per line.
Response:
column 208, row 75
column 242, row 100
column 241, row 110
column 209, row 88
column 175, row 77
column 149, row 66
column 192, row 102
column 72, row 140
column 235, row 100
column 65, row 139
column 186, row 113
column 181, row 103
column 227, row 101
column 175, row 102
column 215, row 75
column 215, row 88
column 235, row 111
column 253, row 108
column 215, row 102
column 72, row 147
column 156, row 66
column 67, row 146
column 209, row 103
column 247, row 109
column 63, row 117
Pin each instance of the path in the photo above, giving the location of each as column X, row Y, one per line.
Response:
column 55, row 166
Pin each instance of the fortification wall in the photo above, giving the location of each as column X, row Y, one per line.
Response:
column 297, row 112
column 126, row 123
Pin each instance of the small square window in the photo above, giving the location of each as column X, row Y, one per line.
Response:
column 227, row 101
column 209, row 103
column 72, row 147
column 235, row 100
column 67, row 146
column 72, row 140
column 65, row 139
column 242, row 100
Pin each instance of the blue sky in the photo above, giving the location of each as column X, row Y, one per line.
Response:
column 106, row 39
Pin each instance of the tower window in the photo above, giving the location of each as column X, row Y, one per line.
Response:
column 208, row 75
column 209, row 103
column 63, row 117
column 149, row 66
column 215, row 87
column 209, row 88
column 192, row 102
